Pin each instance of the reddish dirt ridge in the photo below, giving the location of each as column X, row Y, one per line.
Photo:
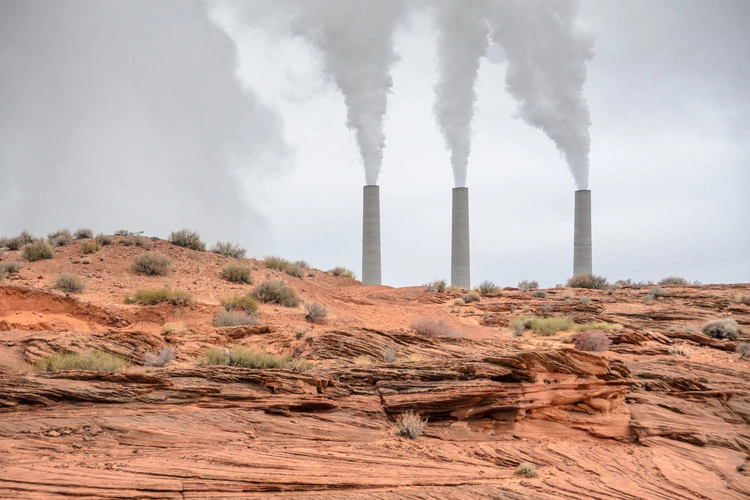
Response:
column 632, row 422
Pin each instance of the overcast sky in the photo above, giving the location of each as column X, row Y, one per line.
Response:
column 160, row 115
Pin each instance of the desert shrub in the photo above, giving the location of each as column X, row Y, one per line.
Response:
column 459, row 302
column 69, row 283
column 471, row 297
column 104, row 239
column 94, row 361
column 315, row 312
column 187, row 239
column 37, row 250
column 60, row 238
column 151, row 264
column 122, row 232
column 593, row 341
column 410, row 425
column 437, row 286
column 585, row 300
column 685, row 350
column 237, row 273
column 160, row 357
column 742, row 299
column 612, row 289
column 276, row 263
column 229, row 249
column 389, row 355
column 743, row 349
column 173, row 327
column 435, row 327
column 542, row 326
column 526, row 470
column 588, row 280
column 486, row 287
column 597, row 325
column 83, row 233
column 527, row 285
column 539, row 294
column 725, row 328
column 9, row 267
column 295, row 270
column 656, row 293
column 25, row 237
column 276, row 292
column 89, row 247
column 342, row 271
column 246, row 358
column 15, row 242
column 363, row 360
column 519, row 327
column 674, row 280
column 301, row 263
column 152, row 296
column 234, row 318
column 248, row 303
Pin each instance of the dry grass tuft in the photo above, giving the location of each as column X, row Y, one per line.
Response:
column 160, row 357
column 94, row 361
column 151, row 264
column 37, row 250
column 234, row 318
column 315, row 312
column 342, row 271
column 152, row 296
column 588, row 280
column 69, row 283
column 237, row 273
column 277, row 292
column 247, row 302
column 527, row 470
column 410, row 425
column 187, row 239
column 246, row 358
column 229, row 249
column 434, row 327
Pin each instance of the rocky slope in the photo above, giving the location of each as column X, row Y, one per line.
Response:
column 632, row 422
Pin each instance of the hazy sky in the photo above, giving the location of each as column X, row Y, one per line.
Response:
column 160, row 115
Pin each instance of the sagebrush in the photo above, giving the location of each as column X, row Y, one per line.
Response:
column 37, row 250
column 187, row 239
column 434, row 327
column 237, row 273
column 276, row 292
column 152, row 296
column 151, row 264
column 69, row 283
column 229, row 249
column 234, row 318
column 588, row 280
column 315, row 312
column 725, row 328
column 593, row 341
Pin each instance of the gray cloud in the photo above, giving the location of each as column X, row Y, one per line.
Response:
column 127, row 114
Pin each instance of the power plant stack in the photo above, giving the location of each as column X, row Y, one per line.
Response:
column 582, row 235
column 460, row 274
column 371, row 236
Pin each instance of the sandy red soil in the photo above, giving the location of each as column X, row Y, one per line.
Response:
column 632, row 422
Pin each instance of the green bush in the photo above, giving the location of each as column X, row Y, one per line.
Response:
column 246, row 358
column 246, row 302
column 342, row 271
column 9, row 267
column 588, row 280
column 69, row 283
column 527, row 285
column 410, row 425
column 674, row 280
column 597, row 325
column 60, row 238
column 89, row 247
column 94, row 361
column 543, row 326
column 276, row 292
column 315, row 312
column 104, row 239
column 37, row 250
column 724, row 328
column 234, row 318
column 237, row 273
column 486, row 287
column 228, row 249
column 83, row 233
column 187, row 239
column 151, row 264
column 151, row 296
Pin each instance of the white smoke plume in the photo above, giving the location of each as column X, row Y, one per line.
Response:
column 462, row 41
column 547, row 53
column 355, row 40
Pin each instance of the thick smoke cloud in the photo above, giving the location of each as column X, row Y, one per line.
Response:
column 126, row 114
column 462, row 41
column 547, row 54
column 355, row 41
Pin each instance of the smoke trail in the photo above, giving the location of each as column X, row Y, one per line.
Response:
column 462, row 41
column 355, row 39
column 547, row 54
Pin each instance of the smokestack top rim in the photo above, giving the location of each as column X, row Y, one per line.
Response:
column 460, row 189
column 583, row 190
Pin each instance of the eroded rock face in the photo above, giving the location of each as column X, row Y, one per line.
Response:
column 632, row 422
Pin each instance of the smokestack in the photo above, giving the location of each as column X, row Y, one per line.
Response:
column 371, row 236
column 460, row 275
column 582, row 236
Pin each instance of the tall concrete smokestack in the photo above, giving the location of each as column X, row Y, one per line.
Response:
column 582, row 236
column 460, row 275
column 371, row 236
